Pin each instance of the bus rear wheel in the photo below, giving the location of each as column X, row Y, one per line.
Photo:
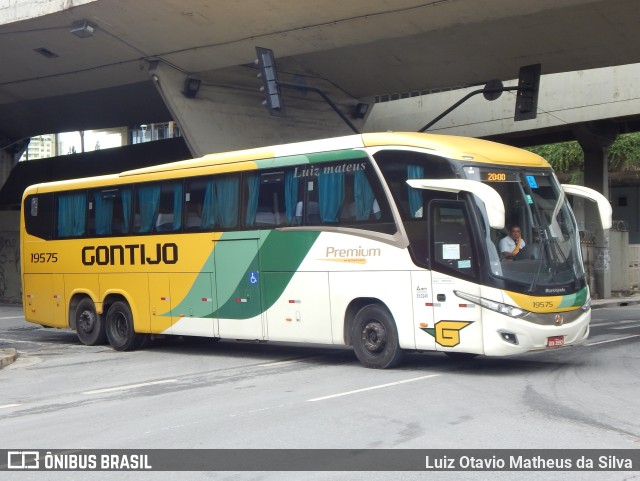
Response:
column 89, row 325
column 375, row 338
column 119, row 327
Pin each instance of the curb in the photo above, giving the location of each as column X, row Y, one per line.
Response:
column 622, row 302
column 7, row 356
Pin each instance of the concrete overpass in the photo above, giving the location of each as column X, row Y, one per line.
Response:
column 566, row 100
column 127, row 61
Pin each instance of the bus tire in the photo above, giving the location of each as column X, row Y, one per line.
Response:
column 375, row 338
column 119, row 327
column 89, row 324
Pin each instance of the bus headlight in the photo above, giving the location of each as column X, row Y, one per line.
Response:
column 500, row 307
column 586, row 306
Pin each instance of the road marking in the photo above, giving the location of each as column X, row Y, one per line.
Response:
column 13, row 317
column 130, row 386
column 5, row 406
column 613, row 323
column 625, row 327
column 284, row 362
column 279, row 363
column 612, row 340
column 18, row 340
column 380, row 386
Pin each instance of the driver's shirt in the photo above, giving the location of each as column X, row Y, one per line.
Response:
column 507, row 244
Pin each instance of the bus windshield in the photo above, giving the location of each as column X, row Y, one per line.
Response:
column 547, row 258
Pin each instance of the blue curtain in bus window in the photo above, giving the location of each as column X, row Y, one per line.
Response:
column 177, row 207
column 71, row 214
column 208, row 219
column 104, row 212
column 331, row 195
column 125, row 195
column 149, row 201
column 253, row 189
column 291, row 197
column 227, row 191
column 415, row 196
column 363, row 194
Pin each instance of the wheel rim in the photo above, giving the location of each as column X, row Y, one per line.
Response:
column 374, row 336
column 120, row 327
column 87, row 321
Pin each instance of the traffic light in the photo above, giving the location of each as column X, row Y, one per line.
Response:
column 267, row 64
column 527, row 96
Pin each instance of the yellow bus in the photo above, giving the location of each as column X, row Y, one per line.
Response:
column 387, row 242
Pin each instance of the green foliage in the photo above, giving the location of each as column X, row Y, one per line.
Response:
column 624, row 154
column 568, row 158
column 563, row 157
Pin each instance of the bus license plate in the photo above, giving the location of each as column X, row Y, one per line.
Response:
column 555, row 341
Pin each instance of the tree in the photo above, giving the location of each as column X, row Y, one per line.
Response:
column 567, row 157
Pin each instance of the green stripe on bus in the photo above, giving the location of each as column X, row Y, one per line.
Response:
column 574, row 300
column 316, row 158
column 237, row 297
column 282, row 161
column 337, row 155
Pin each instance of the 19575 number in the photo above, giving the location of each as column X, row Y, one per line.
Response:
column 44, row 257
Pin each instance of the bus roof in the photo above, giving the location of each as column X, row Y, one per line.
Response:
column 459, row 148
column 454, row 147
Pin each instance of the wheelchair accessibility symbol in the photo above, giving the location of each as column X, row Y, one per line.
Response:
column 253, row 277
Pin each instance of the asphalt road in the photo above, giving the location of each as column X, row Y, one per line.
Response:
column 193, row 393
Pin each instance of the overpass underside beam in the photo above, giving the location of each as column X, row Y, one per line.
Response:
column 222, row 117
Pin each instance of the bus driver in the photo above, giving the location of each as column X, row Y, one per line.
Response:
column 512, row 244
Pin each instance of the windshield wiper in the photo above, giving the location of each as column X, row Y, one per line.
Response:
column 542, row 235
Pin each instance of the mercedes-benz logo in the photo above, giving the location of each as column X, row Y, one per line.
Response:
column 559, row 319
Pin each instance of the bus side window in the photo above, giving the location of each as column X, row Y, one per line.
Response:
column 146, row 207
column 71, row 218
column 194, row 203
column 158, row 207
column 169, row 217
column 225, row 201
column 270, row 198
column 213, row 202
column 344, row 194
column 110, row 211
column 360, row 201
column 38, row 215
column 400, row 165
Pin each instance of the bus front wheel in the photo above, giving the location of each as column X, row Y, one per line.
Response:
column 119, row 327
column 89, row 325
column 375, row 338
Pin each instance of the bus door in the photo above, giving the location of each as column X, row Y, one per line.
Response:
column 457, row 323
column 237, row 283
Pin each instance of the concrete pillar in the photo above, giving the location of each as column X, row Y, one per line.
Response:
column 10, row 286
column 596, row 138
column 10, row 152
column 228, row 115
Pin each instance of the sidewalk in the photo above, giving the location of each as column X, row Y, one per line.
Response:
column 615, row 302
column 9, row 355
